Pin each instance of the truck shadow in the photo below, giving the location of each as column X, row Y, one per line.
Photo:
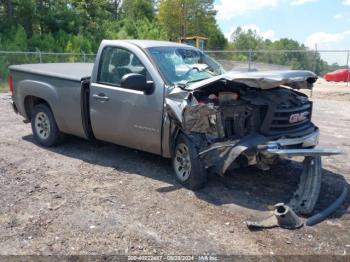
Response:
column 249, row 187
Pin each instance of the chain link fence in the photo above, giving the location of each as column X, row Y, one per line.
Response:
column 320, row 61
column 245, row 60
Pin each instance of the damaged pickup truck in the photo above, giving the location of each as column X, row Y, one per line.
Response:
column 173, row 100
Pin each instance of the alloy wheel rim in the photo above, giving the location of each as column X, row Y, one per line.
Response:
column 42, row 125
column 182, row 162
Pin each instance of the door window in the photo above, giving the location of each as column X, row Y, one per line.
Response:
column 117, row 62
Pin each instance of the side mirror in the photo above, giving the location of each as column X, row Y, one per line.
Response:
column 137, row 82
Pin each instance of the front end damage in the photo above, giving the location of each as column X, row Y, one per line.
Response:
column 243, row 119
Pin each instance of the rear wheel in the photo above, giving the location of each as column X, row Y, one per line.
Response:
column 189, row 170
column 44, row 126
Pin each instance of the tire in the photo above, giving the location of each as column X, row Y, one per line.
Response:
column 188, row 168
column 44, row 126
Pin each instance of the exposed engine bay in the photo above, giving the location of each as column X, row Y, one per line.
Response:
column 227, row 111
column 233, row 111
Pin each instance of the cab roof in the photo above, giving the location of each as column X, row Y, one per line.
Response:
column 153, row 43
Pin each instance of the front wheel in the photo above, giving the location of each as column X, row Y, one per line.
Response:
column 189, row 170
column 44, row 126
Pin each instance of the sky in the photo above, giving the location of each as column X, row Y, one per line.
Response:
column 322, row 22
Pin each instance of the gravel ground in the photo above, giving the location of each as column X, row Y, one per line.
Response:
column 85, row 198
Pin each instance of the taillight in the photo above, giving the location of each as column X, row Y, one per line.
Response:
column 10, row 84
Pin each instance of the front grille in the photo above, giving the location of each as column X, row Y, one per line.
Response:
column 279, row 121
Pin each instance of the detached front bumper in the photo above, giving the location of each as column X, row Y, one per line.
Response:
column 257, row 149
column 310, row 140
column 304, row 152
column 306, row 195
column 305, row 147
column 221, row 155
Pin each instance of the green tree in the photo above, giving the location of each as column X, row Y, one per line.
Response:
column 170, row 17
column 246, row 40
column 284, row 51
column 181, row 18
column 138, row 9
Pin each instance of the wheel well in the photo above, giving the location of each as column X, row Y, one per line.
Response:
column 30, row 102
column 175, row 134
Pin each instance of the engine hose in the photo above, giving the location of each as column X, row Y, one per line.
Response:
column 315, row 219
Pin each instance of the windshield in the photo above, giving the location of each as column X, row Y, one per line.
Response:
column 184, row 65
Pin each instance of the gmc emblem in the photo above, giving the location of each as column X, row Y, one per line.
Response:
column 298, row 117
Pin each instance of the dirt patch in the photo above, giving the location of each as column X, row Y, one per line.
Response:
column 85, row 198
column 339, row 91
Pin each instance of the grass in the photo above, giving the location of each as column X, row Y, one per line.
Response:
column 4, row 87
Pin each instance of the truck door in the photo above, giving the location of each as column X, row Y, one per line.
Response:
column 124, row 116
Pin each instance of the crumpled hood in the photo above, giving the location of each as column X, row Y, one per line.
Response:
column 297, row 79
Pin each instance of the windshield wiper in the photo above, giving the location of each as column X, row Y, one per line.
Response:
column 196, row 80
column 183, row 84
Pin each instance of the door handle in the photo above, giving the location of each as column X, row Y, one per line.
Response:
column 100, row 97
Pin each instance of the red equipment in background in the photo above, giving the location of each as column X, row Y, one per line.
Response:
column 340, row 75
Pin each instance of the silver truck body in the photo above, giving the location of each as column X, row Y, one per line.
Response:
column 129, row 117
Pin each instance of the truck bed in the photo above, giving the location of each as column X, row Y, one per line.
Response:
column 69, row 71
column 60, row 85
